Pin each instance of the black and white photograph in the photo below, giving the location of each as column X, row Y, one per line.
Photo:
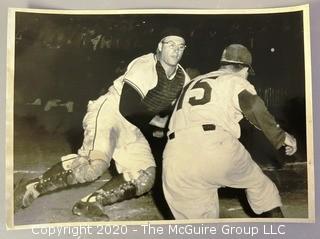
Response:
column 159, row 116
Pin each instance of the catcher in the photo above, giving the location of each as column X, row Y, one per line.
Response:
column 114, row 127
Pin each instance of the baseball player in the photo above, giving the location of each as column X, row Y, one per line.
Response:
column 203, row 152
column 114, row 127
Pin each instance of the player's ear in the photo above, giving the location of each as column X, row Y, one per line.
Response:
column 244, row 72
column 160, row 46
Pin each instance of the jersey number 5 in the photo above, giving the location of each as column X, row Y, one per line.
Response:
column 206, row 97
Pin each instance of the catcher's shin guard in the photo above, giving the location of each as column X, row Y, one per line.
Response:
column 55, row 178
column 115, row 190
column 273, row 213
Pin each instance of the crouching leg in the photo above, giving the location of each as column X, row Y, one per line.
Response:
column 116, row 190
column 61, row 175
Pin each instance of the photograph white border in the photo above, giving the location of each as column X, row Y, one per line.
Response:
column 308, row 98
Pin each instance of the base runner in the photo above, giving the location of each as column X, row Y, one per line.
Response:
column 203, row 152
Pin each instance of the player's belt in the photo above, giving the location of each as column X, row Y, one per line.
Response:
column 205, row 127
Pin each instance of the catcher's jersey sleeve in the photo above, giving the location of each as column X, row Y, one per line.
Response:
column 132, row 109
column 141, row 74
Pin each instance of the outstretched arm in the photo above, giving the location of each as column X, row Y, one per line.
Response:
column 132, row 108
column 254, row 109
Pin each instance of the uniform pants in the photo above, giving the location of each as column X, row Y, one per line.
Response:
column 197, row 163
column 107, row 135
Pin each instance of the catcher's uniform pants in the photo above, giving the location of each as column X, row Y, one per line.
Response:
column 107, row 135
column 198, row 162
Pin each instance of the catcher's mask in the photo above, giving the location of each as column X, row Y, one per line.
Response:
column 237, row 54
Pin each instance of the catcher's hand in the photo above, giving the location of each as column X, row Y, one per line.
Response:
column 290, row 144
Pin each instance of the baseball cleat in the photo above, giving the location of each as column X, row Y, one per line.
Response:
column 93, row 210
column 24, row 194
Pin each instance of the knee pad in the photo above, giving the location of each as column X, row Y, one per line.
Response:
column 86, row 170
column 145, row 181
